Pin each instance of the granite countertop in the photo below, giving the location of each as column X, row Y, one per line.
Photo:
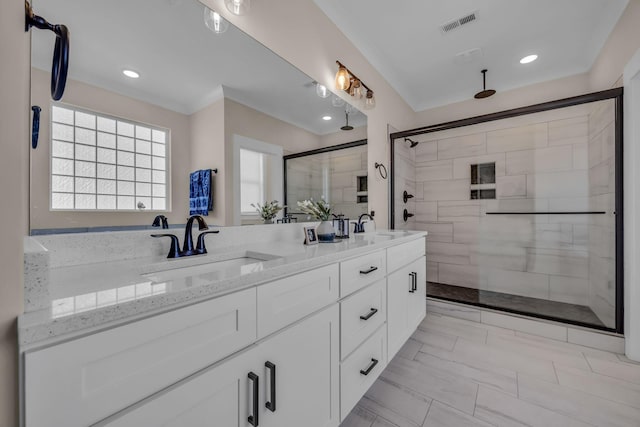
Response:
column 91, row 297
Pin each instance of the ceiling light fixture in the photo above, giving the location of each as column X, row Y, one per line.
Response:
column 350, row 83
column 238, row 7
column 528, row 59
column 214, row 21
column 131, row 74
column 322, row 91
column 326, row 118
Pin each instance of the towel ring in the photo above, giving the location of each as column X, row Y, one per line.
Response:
column 60, row 65
column 382, row 170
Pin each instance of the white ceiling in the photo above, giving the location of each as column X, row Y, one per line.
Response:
column 183, row 65
column 403, row 41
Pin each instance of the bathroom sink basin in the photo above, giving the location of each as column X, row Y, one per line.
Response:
column 212, row 269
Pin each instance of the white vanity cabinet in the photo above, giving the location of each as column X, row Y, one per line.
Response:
column 80, row 382
column 406, row 292
column 288, row 379
column 299, row 350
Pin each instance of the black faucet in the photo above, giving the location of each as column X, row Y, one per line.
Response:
column 187, row 248
column 160, row 219
column 187, row 243
column 359, row 228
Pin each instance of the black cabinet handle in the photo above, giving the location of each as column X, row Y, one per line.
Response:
column 371, row 313
column 370, row 270
column 271, row 404
column 413, row 279
column 373, row 364
column 253, row 419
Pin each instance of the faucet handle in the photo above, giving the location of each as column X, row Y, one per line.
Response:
column 175, row 244
column 200, row 248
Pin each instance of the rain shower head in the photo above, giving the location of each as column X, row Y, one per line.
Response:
column 347, row 126
column 412, row 142
column 484, row 93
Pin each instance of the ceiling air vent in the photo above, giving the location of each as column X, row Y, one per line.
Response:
column 457, row 23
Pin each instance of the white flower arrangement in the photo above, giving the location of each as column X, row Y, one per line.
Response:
column 269, row 210
column 320, row 210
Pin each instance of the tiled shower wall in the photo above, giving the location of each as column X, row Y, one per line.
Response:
column 542, row 163
column 601, row 291
column 338, row 170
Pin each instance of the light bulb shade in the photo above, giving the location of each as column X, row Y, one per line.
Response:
column 370, row 100
column 214, row 21
column 322, row 91
column 336, row 101
column 343, row 79
column 238, row 7
column 356, row 90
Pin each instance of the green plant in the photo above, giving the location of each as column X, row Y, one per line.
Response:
column 268, row 210
column 320, row 210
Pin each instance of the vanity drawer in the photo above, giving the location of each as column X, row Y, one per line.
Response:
column 358, row 372
column 361, row 314
column 284, row 301
column 398, row 256
column 80, row 382
column 359, row 272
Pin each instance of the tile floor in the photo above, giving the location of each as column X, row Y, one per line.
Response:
column 459, row 373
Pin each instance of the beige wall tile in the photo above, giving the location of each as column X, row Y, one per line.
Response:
column 540, row 160
column 569, row 131
column 520, row 138
column 511, row 186
column 462, row 146
column 558, row 184
column 434, row 171
column 446, row 190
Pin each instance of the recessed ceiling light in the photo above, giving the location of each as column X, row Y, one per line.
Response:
column 326, row 118
column 131, row 74
column 529, row 58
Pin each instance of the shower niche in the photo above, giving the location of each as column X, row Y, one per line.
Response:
column 522, row 208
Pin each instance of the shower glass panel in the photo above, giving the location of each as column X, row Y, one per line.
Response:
column 336, row 174
column 521, row 212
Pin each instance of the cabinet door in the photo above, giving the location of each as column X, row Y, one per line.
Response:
column 417, row 308
column 306, row 387
column 221, row 396
column 398, row 292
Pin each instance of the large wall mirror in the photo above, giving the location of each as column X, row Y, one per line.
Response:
column 116, row 150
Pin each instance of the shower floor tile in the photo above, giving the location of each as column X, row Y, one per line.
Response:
column 538, row 307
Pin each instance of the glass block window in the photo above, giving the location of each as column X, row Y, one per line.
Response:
column 100, row 162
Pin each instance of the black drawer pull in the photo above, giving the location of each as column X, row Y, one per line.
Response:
column 413, row 281
column 373, row 364
column 253, row 419
column 271, row 404
column 370, row 270
column 371, row 313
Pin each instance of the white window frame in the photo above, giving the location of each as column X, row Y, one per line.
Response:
column 167, row 163
column 263, row 183
column 275, row 180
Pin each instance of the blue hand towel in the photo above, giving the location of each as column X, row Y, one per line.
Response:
column 200, row 194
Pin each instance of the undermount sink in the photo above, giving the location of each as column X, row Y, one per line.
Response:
column 210, row 269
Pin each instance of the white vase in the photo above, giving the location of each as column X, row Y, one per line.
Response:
column 326, row 232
